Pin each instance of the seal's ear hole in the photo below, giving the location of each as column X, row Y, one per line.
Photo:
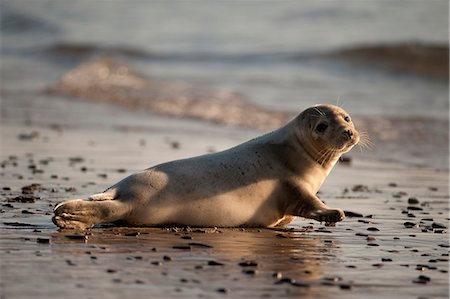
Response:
column 321, row 127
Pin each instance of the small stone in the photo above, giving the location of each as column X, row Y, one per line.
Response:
column 249, row 271
column 222, row 290
column 422, row 279
column 214, row 263
column 43, row 240
column 409, row 224
column 386, row 260
column 248, row 264
column 167, row 258
column 132, row 234
column 413, row 201
column 373, row 229
column 438, row 225
column 76, row 237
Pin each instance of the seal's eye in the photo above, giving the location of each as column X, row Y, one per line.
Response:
column 321, row 127
column 347, row 118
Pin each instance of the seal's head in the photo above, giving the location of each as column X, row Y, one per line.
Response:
column 329, row 131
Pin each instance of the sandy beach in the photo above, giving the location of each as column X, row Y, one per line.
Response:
column 395, row 240
column 92, row 92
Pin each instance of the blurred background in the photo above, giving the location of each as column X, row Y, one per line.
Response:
column 372, row 57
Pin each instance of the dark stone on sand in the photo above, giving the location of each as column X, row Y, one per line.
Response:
column 373, row 229
column 361, row 235
column 373, row 244
column 43, row 240
column 132, row 234
column 7, row 205
column 214, row 263
column 399, row 194
column 111, row 271
column 222, row 290
column 409, row 224
column 412, row 208
column 6, row 189
column 249, row 271
column 345, row 160
column 18, row 224
column 345, row 286
column 195, row 244
column 248, row 264
column 182, row 247
column 186, row 237
column 386, row 259
column 392, row 185
column 76, row 159
column 24, row 199
column 27, row 212
column 438, row 225
column 422, row 279
column 167, row 258
column 284, row 280
column 353, row 214
column 156, row 263
column 413, row 201
column 77, row 237
column 379, row 265
column 360, row 188
column 121, row 170
column 282, row 236
column 30, row 189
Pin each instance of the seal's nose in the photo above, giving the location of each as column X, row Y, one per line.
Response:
column 348, row 134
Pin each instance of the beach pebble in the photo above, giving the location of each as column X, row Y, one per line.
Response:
column 422, row 279
column 248, row 264
column 24, row 199
column 195, row 244
column 222, row 290
column 345, row 286
column 353, row 214
column 182, row 247
column 43, row 240
column 386, row 259
column 409, row 224
column 438, row 225
column 132, row 234
column 167, row 258
column 360, row 188
column 214, row 263
column 76, row 237
column 373, row 229
column 413, row 201
column 413, row 208
column 249, row 271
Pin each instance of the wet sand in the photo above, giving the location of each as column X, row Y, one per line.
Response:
column 393, row 245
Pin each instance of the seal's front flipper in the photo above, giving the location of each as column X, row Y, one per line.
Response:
column 310, row 206
column 84, row 214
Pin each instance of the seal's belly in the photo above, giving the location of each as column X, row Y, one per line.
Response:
column 252, row 205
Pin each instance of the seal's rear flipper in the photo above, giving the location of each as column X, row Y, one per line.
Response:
column 109, row 194
column 84, row 214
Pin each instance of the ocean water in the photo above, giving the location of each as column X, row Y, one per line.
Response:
column 267, row 51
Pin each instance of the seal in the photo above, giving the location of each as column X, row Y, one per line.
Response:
column 264, row 182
